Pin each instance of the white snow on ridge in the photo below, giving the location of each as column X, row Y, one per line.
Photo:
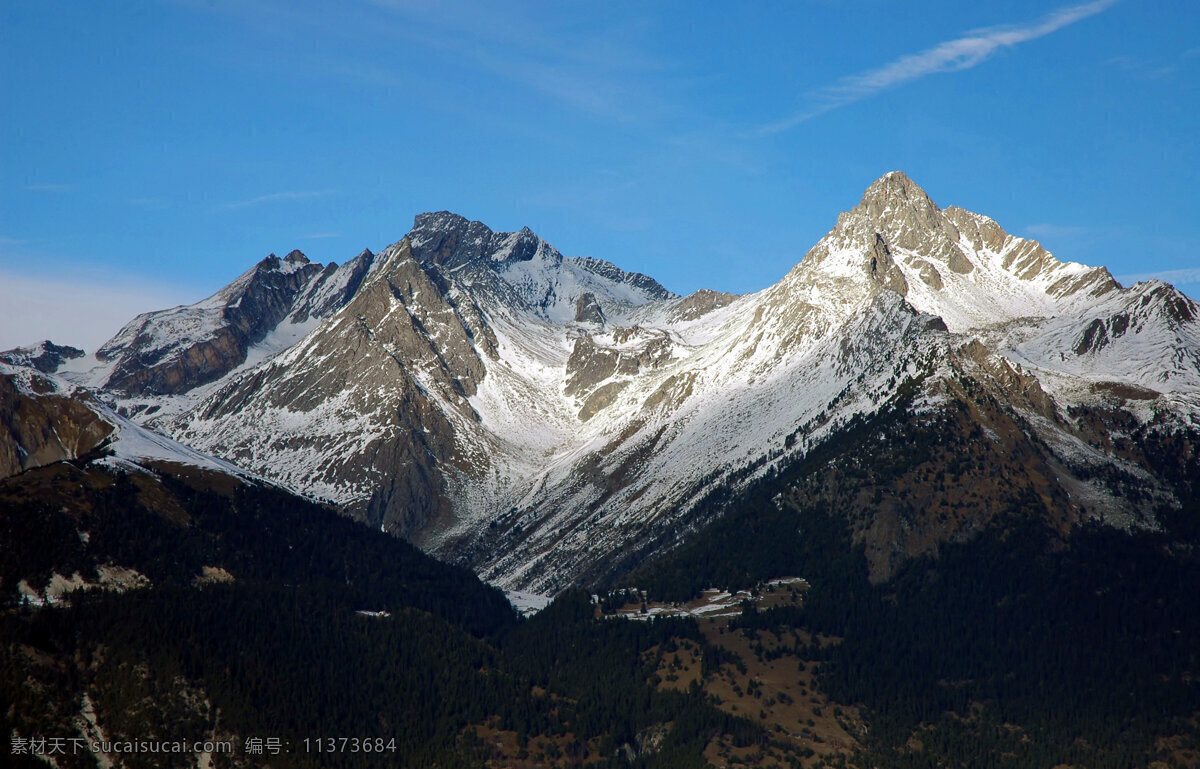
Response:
column 579, row 455
column 23, row 379
column 811, row 352
column 132, row 443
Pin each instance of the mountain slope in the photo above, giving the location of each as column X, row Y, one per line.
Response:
column 373, row 409
column 843, row 334
column 540, row 416
column 159, row 357
column 40, row 423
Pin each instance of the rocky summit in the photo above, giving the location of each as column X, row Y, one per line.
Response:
column 552, row 421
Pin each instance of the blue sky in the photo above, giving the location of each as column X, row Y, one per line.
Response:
column 150, row 152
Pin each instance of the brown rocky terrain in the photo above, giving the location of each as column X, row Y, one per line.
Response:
column 39, row 426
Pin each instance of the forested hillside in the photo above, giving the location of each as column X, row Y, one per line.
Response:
column 258, row 615
column 1022, row 645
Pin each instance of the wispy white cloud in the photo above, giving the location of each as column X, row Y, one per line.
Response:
column 83, row 313
column 1175, row 277
column 600, row 70
column 275, row 197
column 478, row 57
column 951, row 56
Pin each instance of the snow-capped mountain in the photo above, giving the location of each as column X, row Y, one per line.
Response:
column 545, row 417
column 380, row 409
column 178, row 351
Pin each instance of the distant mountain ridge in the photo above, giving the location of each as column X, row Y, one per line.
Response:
column 550, row 419
column 174, row 351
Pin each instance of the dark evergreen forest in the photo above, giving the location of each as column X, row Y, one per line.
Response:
column 284, row 651
column 1020, row 647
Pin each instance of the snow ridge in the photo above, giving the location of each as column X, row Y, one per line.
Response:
column 537, row 415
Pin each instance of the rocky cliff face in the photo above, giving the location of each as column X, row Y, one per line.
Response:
column 541, row 417
column 376, row 409
column 171, row 352
column 363, row 409
column 45, row 356
column 452, row 243
column 41, row 424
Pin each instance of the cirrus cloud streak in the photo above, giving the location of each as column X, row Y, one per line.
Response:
column 951, row 56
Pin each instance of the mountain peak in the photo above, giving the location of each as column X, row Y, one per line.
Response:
column 45, row 356
column 439, row 220
column 449, row 240
column 897, row 179
column 525, row 264
column 895, row 192
column 958, row 265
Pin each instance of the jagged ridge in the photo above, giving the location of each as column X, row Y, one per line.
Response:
column 536, row 415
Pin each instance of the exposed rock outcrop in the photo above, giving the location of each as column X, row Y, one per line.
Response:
column 45, row 356
column 39, row 425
